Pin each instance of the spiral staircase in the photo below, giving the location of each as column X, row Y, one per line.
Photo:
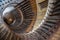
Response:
column 25, row 20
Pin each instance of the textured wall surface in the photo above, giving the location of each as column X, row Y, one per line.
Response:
column 40, row 14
